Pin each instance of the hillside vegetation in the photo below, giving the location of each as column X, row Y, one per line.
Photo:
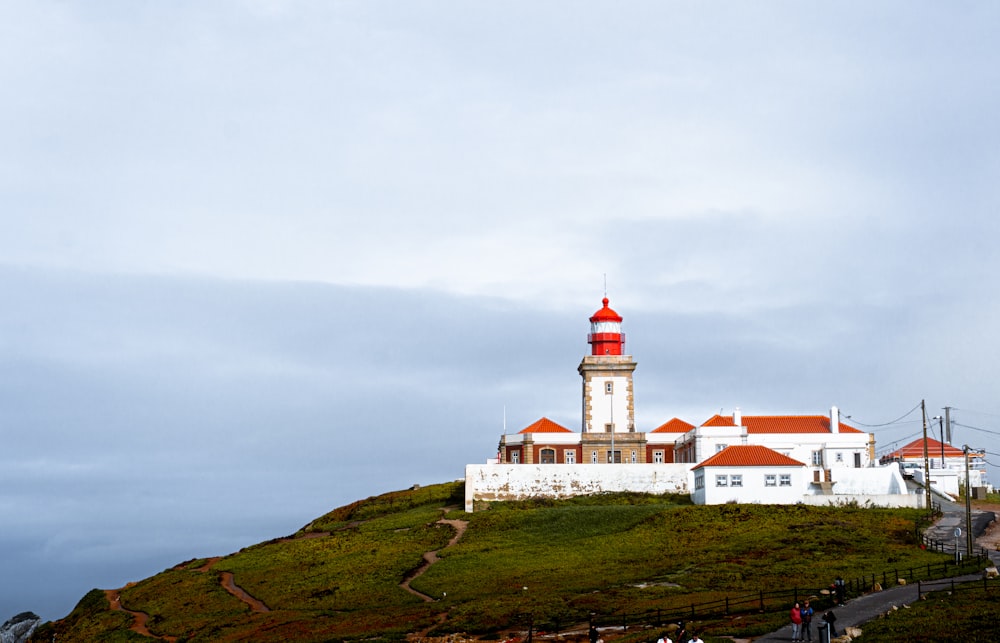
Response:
column 552, row 564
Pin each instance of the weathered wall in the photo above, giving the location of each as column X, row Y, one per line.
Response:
column 519, row 482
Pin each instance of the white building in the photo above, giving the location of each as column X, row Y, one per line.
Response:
column 761, row 458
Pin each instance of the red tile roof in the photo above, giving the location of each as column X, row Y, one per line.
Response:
column 545, row 425
column 915, row 449
column 749, row 455
column 781, row 423
column 673, row 426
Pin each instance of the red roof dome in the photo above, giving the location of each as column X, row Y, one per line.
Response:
column 605, row 314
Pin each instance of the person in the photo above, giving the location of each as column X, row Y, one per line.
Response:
column 841, row 589
column 805, row 631
column 696, row 639
column 664, row 639
column 594, row 636
column 796, row 615
column 830, row 619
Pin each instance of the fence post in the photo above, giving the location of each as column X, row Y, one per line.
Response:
column 762, row 600
column 727, row 604
column 919, row 592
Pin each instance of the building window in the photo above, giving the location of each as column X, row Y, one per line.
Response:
column 719, row 447
column 609, row 428
column 699, row 481
column 658, row 457
column 548, row 456
column 785, row 480
column 617, row 458
column 736, row 480
column 633, row 457
column 840, row 457
column 515, row 456
column 593, row 457
column 609, row 388
column 569, row 457
column 770, row 480
column 817, row 457
column 721, row 481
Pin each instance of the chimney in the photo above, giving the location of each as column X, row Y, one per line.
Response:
column 737, row 417
column 834, row 419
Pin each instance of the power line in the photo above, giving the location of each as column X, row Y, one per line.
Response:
column 975, row 428
column 885, row 424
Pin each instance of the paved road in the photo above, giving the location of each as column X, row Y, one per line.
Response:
column 858, row 611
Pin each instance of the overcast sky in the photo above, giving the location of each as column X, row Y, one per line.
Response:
column 260, row 259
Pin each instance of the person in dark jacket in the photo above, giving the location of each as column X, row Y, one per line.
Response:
column 830, row 619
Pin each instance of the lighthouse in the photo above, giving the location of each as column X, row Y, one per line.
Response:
column 608, row 404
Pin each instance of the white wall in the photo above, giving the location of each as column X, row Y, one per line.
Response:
column 876, row 486
column 523, row 481
column 753, row 489
column 868, row 481
column 913, row 501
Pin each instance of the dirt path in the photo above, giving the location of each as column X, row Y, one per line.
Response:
column 230, row 586
column 140, row 619
column 431, row 557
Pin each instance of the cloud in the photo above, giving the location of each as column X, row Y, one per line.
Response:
column 243, row 242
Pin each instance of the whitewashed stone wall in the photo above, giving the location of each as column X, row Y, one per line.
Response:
column 523, row 481
column 913, row 501
column 868, row 481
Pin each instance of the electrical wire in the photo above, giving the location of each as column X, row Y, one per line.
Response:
column 887, row 423
column 974, row 428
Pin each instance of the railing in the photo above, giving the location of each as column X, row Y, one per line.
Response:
column 771, row 601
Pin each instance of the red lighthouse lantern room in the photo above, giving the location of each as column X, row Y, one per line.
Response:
column 606, row 337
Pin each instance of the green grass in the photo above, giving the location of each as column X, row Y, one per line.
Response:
column 967, row 616
column 560, row 561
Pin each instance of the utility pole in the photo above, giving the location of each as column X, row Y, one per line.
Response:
column 968, row 502
column 927, row 464
column 941, row 428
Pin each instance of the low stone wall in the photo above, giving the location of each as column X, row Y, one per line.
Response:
column 523, row 481
column 912, row 501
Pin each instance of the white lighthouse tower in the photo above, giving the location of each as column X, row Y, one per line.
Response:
column 608, row 404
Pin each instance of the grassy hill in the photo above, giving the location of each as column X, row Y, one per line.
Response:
column 553, row 565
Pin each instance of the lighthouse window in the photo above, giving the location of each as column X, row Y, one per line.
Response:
column 609, row 388
column 593, row 457
column 515, row 456
column 569, row 457
column 658, row 457
column 548, row 456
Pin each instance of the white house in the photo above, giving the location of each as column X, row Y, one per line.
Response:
column 748, row 474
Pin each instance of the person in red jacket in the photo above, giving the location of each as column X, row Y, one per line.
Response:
column 796, row 615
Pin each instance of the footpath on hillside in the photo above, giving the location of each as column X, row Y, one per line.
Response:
column 858, row 611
